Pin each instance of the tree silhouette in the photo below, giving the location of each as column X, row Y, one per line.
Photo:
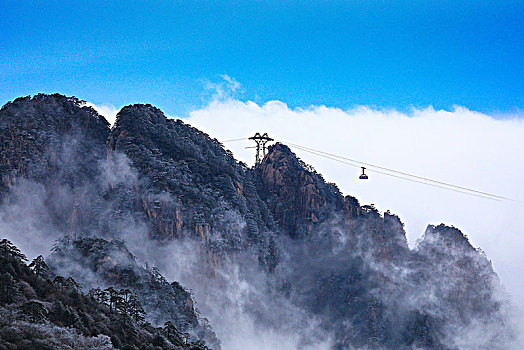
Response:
column 9, row 250
column 8, row 288
column 121, row 301
column 112, row 298
column 36, row 311
column 39, row 266
column 135, row 308
column 98, row 295
column 172, row 334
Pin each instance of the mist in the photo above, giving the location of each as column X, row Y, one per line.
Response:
column 460, row 146
column 235, row 297
column 251, row 309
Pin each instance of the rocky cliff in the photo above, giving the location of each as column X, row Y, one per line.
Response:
column 42, row 136
column 39, row 310
column 99, row 263
column 55, row 156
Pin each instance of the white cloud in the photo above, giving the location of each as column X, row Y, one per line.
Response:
column 233, row 85
column 225, row 89
column 462, row 147
column 108, row 111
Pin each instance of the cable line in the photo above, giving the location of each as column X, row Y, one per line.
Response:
column 395, row 173
column 233, row 140
column 402, row 173
column 400, row 177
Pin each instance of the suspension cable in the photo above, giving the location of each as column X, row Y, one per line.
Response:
column 401, row 173
column 394, row 173
column 233, row 140
column 401, row 177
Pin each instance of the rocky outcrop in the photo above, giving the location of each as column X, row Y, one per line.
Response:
column 466, row 276
column 189, row 186
column 354, row 264
column 302, row 203
column 298, row 199
column 54, row 144
column 97, row 263
column 42, row 137
column 56, row 149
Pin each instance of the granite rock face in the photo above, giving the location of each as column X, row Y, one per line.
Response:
column 45, row 134
column 206, row 186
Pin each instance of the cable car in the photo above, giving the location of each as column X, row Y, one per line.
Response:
column 363, row 176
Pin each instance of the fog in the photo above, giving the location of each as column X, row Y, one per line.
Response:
column 460, row 146
column 238, row 297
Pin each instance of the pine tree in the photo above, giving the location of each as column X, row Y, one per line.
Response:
column 125, row 294
column 98, row 295
column 156, row 275
column 112, row 298
column 36, row 311
column 39, row 266
column 122, row 301
column 135, row 308
column 172, row 334
column 8, row 288
column 72, row 284
column 59, row 280
column 9, row 250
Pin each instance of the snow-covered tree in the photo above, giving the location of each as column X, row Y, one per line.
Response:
column 39, row 266
column 36, row 311
column 136, row 310
column 9, row 250
column 8, row 288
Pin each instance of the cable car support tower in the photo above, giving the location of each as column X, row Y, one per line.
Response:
column 261, row 147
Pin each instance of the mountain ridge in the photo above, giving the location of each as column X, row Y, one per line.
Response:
column 309, row 250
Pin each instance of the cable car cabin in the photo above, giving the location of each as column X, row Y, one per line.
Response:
column 363, row 176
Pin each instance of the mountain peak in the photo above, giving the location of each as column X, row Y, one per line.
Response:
column 43, row 108
column 445, row 237
column 42, row 135
column 140, row 113
column 298, row 197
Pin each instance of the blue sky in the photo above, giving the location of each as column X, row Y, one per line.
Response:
column 388, row 55
column 384, row 54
